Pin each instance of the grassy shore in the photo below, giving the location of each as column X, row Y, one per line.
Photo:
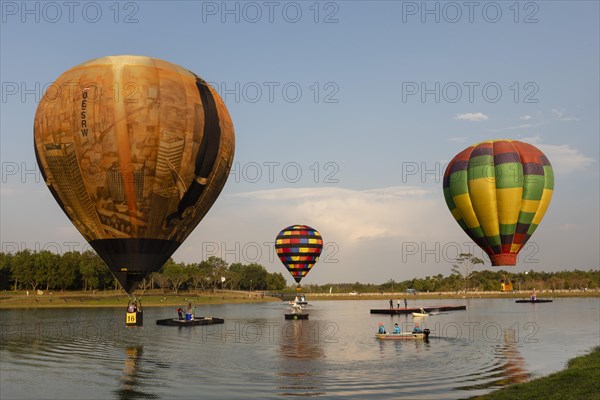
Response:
column 118, row 298
column 580, row 380
column 156, row 298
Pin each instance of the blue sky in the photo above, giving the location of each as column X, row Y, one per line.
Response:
column 346, row 111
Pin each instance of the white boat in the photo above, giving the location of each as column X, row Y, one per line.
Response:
column 423, row 313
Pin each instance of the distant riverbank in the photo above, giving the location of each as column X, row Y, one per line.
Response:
column 155, row 298
column 523, row 294
column 117, row 298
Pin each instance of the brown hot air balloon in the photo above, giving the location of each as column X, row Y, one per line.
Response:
column 135, row 150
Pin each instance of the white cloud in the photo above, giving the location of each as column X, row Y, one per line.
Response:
column 459, row 139
column 476, row 117
column 525, row 117
column 519, row 127
column 357, row 214
column 564, row 158
column 560, row 115
column 365, row 231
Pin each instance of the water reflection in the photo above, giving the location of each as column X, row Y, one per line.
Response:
column 299, row 347
column 513, row 363
column 130, row 385
column 300, row 341
column 508, row 367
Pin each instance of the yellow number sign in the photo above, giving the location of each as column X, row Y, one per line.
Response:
column 131, row 318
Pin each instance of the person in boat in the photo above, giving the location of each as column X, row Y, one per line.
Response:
column 398, row 303
column 405, row 304
column 396, row 328
column 391, row 304
column 180, row 313
column 533, row 296
column 381, row 328
column 422, row 311
column 417, row 328
column 296, row 308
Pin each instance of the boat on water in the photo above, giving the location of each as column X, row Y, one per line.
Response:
column 296, row 316
column 424, row 335
column 296, row 311
column 422, row 313
column 190, row 322
column 534, row 301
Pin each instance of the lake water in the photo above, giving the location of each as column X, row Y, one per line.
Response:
column 89, row 354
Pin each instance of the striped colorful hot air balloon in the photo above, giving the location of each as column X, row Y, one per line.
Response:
column 299, row 248
column 498, row 191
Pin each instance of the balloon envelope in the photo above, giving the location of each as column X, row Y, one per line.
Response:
column 299, row 248
column 135, row 150
column 498, row 191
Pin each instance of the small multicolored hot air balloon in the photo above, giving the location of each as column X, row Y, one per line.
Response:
column 498, row 191
column 135, row 152
column 299, row 248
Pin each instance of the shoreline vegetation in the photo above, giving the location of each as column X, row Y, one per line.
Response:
column 579, row 380
column 158, row 298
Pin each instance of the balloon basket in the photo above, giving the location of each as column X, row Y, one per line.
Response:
column 134, row 317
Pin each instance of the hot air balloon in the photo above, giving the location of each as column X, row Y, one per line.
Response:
column 135, row 150
column 298, row 248
column 498, row 191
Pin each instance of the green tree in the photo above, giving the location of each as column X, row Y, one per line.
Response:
column 92, row 270
column 5, row 272
column 22, row 269
column 46, row 265
column 276, row 281
column 175, row 273
column 465, row 262
column 253, row 277
column 200, row 275
column 66, row 272
column 216, row 268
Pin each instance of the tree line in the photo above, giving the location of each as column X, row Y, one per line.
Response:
column 44, row 270
column 482, row 280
